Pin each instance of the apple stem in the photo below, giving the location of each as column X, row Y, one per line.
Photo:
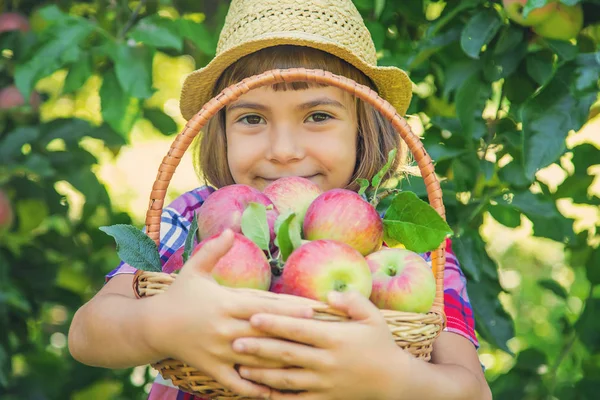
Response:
column 378, row 197
column 276, row 266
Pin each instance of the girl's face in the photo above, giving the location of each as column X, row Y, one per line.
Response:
column 310, row 133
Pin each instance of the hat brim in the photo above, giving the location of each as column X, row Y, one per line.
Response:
column 392, row 83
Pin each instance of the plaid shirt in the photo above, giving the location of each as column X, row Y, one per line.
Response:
column 175, row 222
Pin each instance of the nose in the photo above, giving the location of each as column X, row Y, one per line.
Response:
column 285, row 146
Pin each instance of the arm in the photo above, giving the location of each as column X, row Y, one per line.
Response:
column 453, row 373
column 111, row 329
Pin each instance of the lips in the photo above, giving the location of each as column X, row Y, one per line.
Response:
column 302, row 176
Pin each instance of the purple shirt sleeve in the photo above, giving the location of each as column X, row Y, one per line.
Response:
column 174, row 225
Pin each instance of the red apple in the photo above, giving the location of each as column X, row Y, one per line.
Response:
column 343, row 215
column 175, row 262
column 11, row 21
column 244, row 266
column 224, row 208
column 402, row 281
column 11, row 97
column 318, row 267
column 514, row 10
column 292, row 193
column 564, row 23
column 6, row 212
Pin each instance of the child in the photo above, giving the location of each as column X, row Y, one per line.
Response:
column 309, row 130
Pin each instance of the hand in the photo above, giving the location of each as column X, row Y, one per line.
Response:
column 196, row 320
column 334, row 360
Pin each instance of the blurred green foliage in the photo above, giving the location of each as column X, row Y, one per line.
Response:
column 496, row 104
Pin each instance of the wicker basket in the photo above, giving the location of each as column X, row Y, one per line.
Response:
column 413, row 332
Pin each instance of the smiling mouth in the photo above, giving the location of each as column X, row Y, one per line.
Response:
column 301, row 176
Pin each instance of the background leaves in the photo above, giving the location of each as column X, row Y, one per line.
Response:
column 497, row 107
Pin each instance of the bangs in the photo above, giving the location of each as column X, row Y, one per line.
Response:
column 284, row 57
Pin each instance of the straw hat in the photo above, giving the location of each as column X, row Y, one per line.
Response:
column 334, row 26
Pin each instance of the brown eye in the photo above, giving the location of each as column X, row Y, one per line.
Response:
column 251, row 119
column 319, row 117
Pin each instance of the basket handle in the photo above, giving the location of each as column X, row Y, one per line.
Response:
column 232, row 93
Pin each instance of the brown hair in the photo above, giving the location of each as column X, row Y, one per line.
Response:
column 376, row 136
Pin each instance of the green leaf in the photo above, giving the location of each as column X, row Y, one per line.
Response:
column 79, row 72
column 377, row 33
column 119, row 110
column 379, row 175
column 470, row 250
column 582, row 155
column 479, row 31
column 509, row 38
column 199, row 35
column 540, row 66
column 466, row 169
column 498, row 66
column 62, row 48
column 440, row 151
column 554, row 287
column 282, row 230
column 133, row 66
column 10, row 145
column 514, row 174
column 160, row 120
column 507, row 216
column 470, row 101
column 364, row 185
column 159, row 32
column 189, row 240
column 414, row 223
column 134, row 247
column 492, row 321
column 379, row 6
column 588, row 325
column 592, row 267
column 575, row 186
column 255, row 225
column 546, row 124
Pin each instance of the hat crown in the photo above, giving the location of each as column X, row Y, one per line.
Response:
column 334, row 21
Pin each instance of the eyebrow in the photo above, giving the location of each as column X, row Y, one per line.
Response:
column 321, row 101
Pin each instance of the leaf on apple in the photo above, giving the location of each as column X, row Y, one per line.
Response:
column 135, row 247
column 379, row 175
column 282, row 239
column 189, row 240
column 255, row 226
column 414, row 223
column 364, row 185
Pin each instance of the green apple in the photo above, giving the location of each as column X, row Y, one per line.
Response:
column 564, row 23
column 514, row 10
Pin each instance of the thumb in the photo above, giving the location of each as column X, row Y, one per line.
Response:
column 354, row 304
column 210, row 253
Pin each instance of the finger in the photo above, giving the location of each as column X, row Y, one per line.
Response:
column 209, row 254
column 354, row 304
column 307, row 331
column 248, row 305
column 277, row 395
column 284, row 379
column 230, row 379
column 284, row 352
